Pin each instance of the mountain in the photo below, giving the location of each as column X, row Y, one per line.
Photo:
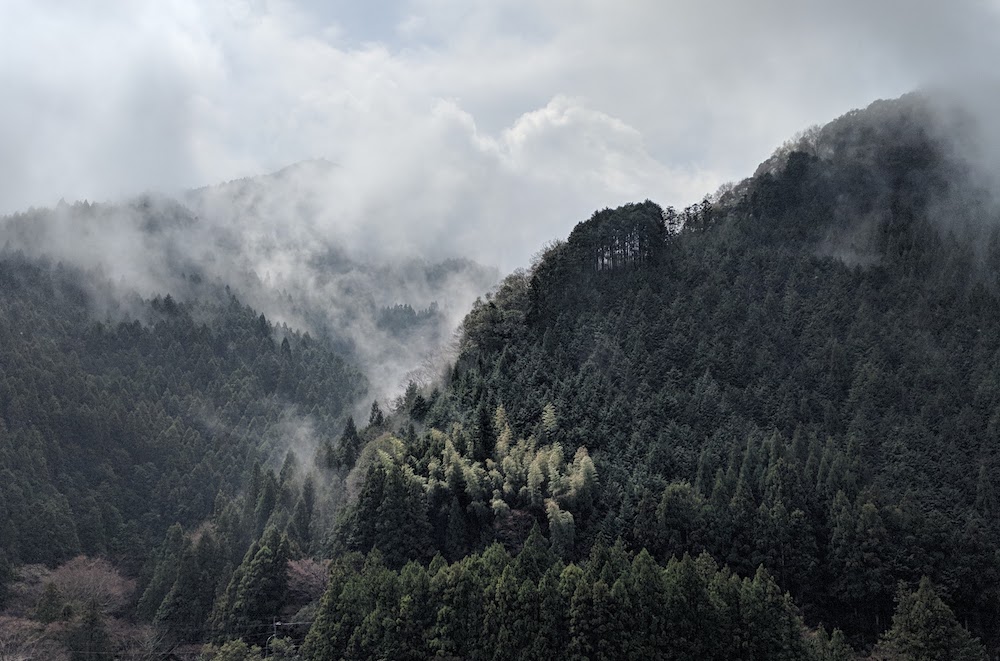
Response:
column 762, row 426
column 114, row 429
column 164, row 356
column 801, row 378
column 280, row 244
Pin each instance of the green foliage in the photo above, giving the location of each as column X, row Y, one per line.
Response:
column 50, row 606
column 450, row 501
column 831, row 647
column 117, row 421
column 185, row 609
column 649, row 444
column 489, row 607
column 256, row 591
column 234, row 650
column 801, row 378
column 924, row 628
column 376, row 418
column 6, row 576
column 168, row 561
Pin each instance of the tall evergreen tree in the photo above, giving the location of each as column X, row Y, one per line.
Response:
column 925, row 628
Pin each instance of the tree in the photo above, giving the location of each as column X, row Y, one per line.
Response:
column 561, row 528
column 402, row 528
column 679, row 515
column 234, row 650
column 257, row 589
column 92, row 583
column 6, row 576
column 535, row 557
column 186, row 607
column 50, row 606
column 376, row 418
column 24, row 640
column 831, row 647
column 335, row 617
column 924, row 628
column 88, row 640
column 346, row 453
column 164, row 574
column 307, row 580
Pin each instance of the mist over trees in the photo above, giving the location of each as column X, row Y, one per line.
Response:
column 761, row 426
column 277, row 243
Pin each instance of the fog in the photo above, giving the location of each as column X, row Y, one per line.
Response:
column 414, row 132
column 272, row 244
column 476, row 129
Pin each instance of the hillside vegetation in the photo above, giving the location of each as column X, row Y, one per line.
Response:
column 761, row 427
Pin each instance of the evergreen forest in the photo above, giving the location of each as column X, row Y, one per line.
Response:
column 764, row 426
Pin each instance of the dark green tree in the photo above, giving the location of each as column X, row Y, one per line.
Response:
column 925, row 628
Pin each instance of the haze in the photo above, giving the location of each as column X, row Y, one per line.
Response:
column 480, row 129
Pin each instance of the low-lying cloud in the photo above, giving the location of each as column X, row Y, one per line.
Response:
column 473, row 128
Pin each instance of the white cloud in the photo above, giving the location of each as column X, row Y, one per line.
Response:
column 482, row 127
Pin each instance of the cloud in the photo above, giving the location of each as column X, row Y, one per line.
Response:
column 457, row 127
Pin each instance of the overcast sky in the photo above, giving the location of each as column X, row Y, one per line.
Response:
column 485, row 127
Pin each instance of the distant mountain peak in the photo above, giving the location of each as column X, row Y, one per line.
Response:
column 312, row 166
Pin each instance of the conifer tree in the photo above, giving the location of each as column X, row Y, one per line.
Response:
column 924, row 628
column 50, row 606
column 168, row 561
column 376, row 419
column 347, row 450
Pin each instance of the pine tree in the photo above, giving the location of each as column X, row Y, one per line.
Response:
column 6, row 573
column 376, row 419
column 831, row 647
column 456, row 531
column 349, row 447
column 402, row 528
column 364, row 515
column 164, row 574
column 535, row 557
column 332, row 628
column 648, row 593
column 562, row 529
column 924, row 628
column 257, row 589
column 50, row 606
column 187, row 607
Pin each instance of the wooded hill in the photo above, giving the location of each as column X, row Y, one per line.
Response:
column 803, row 378
column 762, row 427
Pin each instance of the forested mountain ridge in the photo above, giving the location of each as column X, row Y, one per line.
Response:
column 114, row 429
column 803, row 378
column 280, row 244
column 144, row 403
column 762, row 427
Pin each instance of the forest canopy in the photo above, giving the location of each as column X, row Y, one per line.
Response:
column 762, row 426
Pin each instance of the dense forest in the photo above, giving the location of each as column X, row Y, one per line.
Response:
column 761, row 427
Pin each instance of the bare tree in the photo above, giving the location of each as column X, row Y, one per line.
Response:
column 26, row 640
column 134, row 642
column 24, row 593
column 307, row 580
column 84, row 581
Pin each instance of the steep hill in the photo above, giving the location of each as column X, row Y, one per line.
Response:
column 280, row 244
column 802, row 377
column 113, row 428
column 714, row 433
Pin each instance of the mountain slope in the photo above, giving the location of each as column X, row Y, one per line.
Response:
column 280, row 243
column 766, row 416
column 112, row 429
column 803, row 377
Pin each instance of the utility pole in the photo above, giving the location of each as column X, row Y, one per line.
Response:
column 274, row 634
